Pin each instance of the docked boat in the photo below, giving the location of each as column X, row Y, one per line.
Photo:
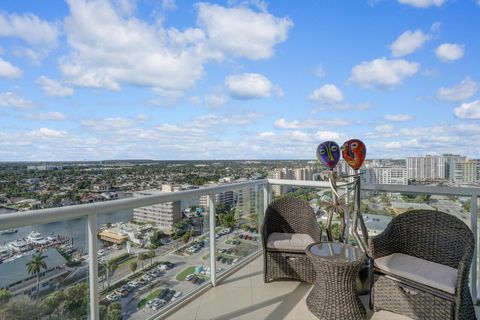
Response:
column 4, row 253
column 19, row 245
column 35, row 238
column 8, row 231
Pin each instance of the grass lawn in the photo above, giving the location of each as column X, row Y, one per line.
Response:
column 181, row 276
column 151, row 295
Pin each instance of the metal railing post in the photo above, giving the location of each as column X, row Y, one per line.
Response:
column 347, row 214
column 93, row 266
column 473, row 271
column 267, row 196
column 213, row 261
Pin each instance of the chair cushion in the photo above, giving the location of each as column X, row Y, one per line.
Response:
column 289, row 241
column 429, row 273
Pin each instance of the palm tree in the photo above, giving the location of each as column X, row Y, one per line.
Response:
column 34, row 267
column 142, row 256
column 133, row 266
column 151, row 254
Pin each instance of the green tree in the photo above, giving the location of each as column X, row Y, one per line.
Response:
column 35, row 266
column 133, row 266
column 21, row 308
column 114, row 311
column 5, row 295
column 186, row 237
column 53, row 302
column 77, row 298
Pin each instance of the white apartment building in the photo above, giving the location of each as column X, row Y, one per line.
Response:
column 467, row 171
column 432, row 167
column 164, row 215
column 384, row 175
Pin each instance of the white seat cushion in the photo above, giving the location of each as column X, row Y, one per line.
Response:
column 422, row 271
column 289, row 241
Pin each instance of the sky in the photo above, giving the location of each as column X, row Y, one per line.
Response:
column 167, row 80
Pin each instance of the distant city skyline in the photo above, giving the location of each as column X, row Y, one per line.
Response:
column 237, row 79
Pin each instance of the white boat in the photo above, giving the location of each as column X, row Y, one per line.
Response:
column 4, row 253
column 36, row 238
column 19, row 245
column 8, row 231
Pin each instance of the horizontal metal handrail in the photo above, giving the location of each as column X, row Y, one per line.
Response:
column 451, row 191
column 25, row 218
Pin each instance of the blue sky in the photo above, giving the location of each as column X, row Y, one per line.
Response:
column 126, row 79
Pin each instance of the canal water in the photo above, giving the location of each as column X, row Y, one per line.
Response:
column 75, row 229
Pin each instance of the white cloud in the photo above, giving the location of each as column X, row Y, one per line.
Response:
column 242, row 32
column 328, row 94
column 266, row 134
column 30, row 28
column 109, row 50
column 384, row 128
column 295, row 124
column 468, row 110
column 327, row 135
column 215, row 100
column 423, row 3
column 399, row 117
column 448, row 52
column 54, row 88
column 460, row 92
column 107, row 124
column 382, row 73
column 7, row 70
column 320, row 71
column 47, row 116
column 309, row 123
column 248, row 86
column 408, row 42
column 10, row 99
column 49, row 133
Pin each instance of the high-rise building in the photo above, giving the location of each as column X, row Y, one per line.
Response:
column 432, row 167
column 384, row 175
column 164, row 214
column 467, row 171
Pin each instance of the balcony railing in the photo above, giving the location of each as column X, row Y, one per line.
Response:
column 262, row 195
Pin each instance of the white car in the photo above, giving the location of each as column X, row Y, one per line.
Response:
column 113, row 297
column 151, row 302
column 162, row 267
column 176, row 296
column 189, row 277
column 158, row 304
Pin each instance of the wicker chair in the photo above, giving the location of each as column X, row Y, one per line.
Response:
column 289, row 217
column 436, row 246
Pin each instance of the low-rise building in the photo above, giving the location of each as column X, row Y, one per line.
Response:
column 164, row 214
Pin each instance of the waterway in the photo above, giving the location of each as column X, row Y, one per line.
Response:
column 76, row 229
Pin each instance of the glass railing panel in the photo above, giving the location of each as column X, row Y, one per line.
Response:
column 151, row 256
column 238, row 217
column 44, row 271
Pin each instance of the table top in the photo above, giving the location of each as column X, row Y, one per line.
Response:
column 337, row 252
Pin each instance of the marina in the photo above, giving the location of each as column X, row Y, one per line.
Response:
column 71, row 235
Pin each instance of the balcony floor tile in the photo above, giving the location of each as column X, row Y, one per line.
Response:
column 244, row 296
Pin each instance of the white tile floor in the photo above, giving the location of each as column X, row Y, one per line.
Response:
column 244, row 296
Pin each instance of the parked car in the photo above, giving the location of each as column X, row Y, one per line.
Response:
column 163, row 294
column 176, row 295
column 142, row 281
column 124, row 293
column 189, row 277
column 151, row 302
column 113, row 297
column 158, row 304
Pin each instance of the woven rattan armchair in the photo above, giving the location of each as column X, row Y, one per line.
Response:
column 431, row 244
column 292, row 222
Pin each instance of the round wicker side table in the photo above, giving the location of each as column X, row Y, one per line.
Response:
column 333, row 294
